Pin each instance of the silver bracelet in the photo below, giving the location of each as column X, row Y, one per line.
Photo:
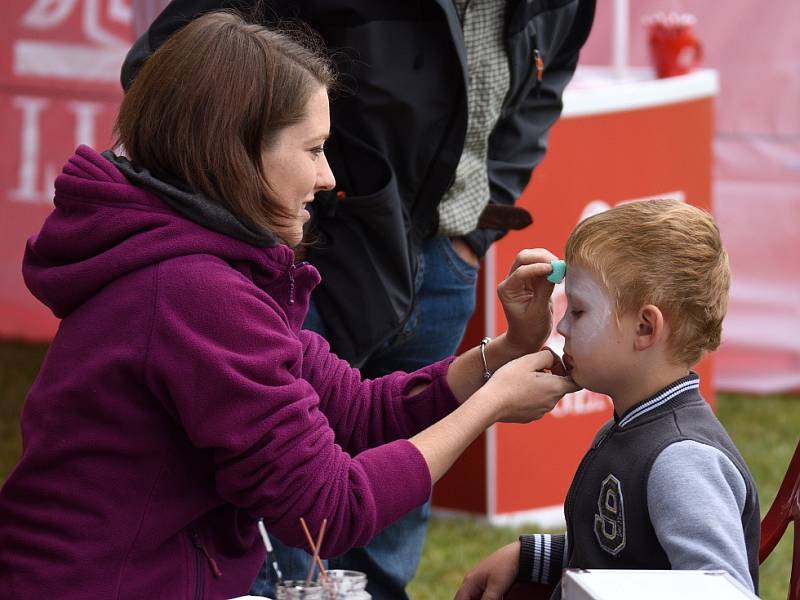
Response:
column 486, row 372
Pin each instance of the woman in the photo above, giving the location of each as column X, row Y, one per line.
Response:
column 180, row 401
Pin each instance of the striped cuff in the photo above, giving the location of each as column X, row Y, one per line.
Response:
column 541, row 557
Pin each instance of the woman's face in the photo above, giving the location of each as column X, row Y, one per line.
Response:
column 296, row 167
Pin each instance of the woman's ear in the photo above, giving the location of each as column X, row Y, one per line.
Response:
column 649, row 327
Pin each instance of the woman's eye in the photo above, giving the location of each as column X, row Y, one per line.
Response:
column 317, row 150
column 576, row 313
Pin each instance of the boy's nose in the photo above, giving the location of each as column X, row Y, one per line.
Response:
column 562, row 326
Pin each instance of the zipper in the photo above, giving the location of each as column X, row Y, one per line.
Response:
column 604, row 437
column 538, row 63
column 582, row 466
column 524, row 88
column 199, row 590
column 201, row 552
column 292, row 268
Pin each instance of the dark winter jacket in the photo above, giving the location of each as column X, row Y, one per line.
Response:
column 398, row 134
column 662, row 487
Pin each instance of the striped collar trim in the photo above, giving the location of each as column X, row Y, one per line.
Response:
column 682, row 385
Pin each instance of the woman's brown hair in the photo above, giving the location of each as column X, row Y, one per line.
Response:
column 211, row 98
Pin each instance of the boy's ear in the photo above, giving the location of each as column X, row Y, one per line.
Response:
column 649, row 327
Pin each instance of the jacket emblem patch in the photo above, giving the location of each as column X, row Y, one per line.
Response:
column 609, row 521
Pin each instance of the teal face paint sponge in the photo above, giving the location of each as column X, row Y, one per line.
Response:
column 559, row 271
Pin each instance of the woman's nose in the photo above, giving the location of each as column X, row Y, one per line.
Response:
column 325, row 178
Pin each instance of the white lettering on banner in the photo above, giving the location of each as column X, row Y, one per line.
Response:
column 99, row 60
column 27, row 190
column 46, row 14
column 85, row 118
column 120, row 11
column 67, row 61
column 582, row 402
column 31, row 188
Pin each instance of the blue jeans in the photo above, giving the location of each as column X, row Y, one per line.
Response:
column 444, row 303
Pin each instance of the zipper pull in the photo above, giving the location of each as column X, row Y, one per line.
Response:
column 604, row 438
column 539, row 63
column 211, row 562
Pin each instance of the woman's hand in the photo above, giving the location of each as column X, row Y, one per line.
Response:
column 525, row 295
column 521, row 392
column 518, row 392
column 492, row 577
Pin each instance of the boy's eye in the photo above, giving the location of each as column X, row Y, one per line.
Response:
column 576, row 313
column 317, row 150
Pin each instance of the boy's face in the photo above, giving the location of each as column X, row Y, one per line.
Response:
column 598, row 346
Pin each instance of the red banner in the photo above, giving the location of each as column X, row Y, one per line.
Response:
column 615, row 143
column 59, row 87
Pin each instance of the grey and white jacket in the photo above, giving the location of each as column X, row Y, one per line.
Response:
column 662, row 487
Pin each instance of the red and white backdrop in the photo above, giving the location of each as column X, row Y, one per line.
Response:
column 59, row 86
column 756, row 174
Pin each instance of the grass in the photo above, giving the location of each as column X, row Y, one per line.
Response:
column 766, row 431
column 19, row 363
column 764, row 428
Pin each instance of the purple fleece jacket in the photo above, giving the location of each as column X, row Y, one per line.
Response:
column 180, row 401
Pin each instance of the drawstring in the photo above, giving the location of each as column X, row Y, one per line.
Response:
column 212, row 563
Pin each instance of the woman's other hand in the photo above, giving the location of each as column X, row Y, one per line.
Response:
column 492, row 577
column 525, row 296
column 520, row 391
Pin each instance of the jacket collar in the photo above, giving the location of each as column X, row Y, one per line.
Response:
column 677, row 392
column 190, row 204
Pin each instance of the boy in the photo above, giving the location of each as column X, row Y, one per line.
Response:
column 662, row 486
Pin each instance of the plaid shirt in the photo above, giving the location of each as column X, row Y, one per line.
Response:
column 483, row 22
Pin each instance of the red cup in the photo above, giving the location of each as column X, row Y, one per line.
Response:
column 674, row 47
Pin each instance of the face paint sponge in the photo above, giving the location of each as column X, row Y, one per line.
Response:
column 559, row 271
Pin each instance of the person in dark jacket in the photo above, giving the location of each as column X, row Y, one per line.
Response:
column 662, row 486
column 443, row 113
column 180, row 401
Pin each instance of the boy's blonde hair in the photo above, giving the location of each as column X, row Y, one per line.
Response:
column 661, row 252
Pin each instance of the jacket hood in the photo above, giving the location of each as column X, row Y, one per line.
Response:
column 105, row 226
column 190, row 204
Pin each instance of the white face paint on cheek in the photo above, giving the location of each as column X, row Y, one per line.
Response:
column 593, row 300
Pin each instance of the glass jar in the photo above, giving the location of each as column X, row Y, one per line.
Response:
column 299, row 590
column 348, row 585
